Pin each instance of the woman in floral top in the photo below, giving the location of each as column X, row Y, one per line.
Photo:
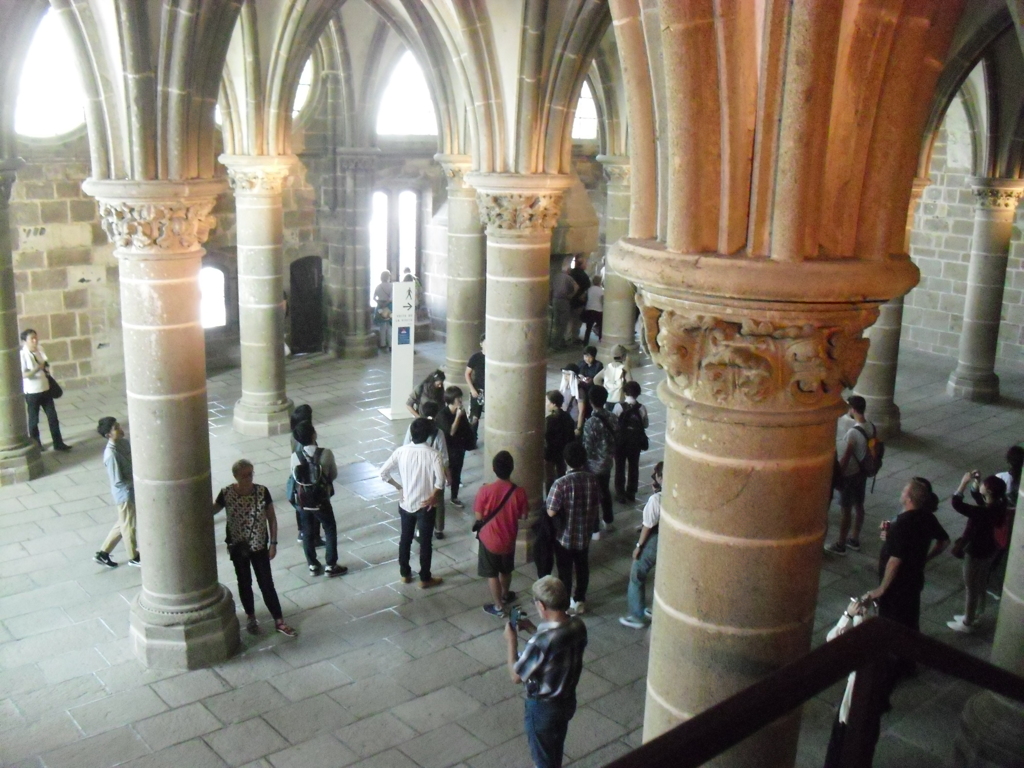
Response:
column 250, row 513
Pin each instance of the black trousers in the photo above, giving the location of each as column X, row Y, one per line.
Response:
column 627, row 458
column 311, row 521
column 423, row 519
column 568, row 561
column 456, row 458
column 43, row 400
column 603, row 481
column 247, row 562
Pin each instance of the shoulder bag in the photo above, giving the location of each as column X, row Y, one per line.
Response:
column 479, row 524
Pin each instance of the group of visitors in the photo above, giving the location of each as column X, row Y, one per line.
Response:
column 577, row 299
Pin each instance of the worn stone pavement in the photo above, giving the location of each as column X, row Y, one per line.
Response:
column 384, row 674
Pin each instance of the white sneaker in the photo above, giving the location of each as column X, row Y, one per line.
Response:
column 577, row 609
column 596, row 535
column 960, row 626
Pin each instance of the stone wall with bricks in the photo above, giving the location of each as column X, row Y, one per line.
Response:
column 941, row 247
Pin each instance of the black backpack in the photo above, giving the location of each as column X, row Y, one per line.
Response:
column 312, row 489
column 631, row 428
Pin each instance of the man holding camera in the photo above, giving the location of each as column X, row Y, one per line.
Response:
column 550, row 667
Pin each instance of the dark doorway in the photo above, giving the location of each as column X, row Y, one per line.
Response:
column 305, row 305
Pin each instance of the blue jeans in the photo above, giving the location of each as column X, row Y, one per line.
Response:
column 636, row 597
column 547, row 722
column 325, row 517
column 424, row 520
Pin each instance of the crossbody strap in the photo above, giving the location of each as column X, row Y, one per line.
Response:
column 494, row 514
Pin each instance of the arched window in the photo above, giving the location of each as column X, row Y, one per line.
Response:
column 407, row 232
column 51, row 100
column 378, row 240
column 213, row 308
column 584, row 126
column 304, row 87
column 405, row 106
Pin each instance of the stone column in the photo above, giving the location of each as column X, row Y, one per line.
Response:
column 975, row 377
column 464, row 314
column 757, row 354
column 348, row 232
column 258, row 182
column 19, row 456
column 877, row 383
column 619, row 319
column 992, row 727
column 182, row 618
column 519, row 213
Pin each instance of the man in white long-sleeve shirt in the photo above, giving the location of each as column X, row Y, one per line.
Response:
column 420, row 478
column 117, row 459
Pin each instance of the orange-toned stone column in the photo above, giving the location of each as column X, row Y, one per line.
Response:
column 464, row 315
column 19, row 456
column 258, row 182
column 519, row 213
column 619, row 321
column 753, row 388
column 182, row 618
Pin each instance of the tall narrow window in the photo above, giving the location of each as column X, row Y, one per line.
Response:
column 303, row 88
column 378, row 240
column 406, row 108
column 584, row 126
column 407, row 232
column 51, row 100
column 213, row 306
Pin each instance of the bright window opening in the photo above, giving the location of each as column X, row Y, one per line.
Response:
column 584, row 126
column 407, row 232
column 213, row 306
column 51, row 100
column 303, row 88
column 406, row 108
column 378, row 240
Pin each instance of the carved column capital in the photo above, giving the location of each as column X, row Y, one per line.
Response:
column 156, row 218
column 257, row 175
column 998, row 194
column 617, row 169
column 764, row 357
column 519, row 203
column 455, row 168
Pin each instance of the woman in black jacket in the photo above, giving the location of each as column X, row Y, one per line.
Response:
column 980, row 543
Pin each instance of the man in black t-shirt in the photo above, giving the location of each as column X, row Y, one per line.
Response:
column 475, row 379
column 909, row 544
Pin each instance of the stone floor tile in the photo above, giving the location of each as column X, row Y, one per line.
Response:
column 603, row 756
column 309, row 681
column 512, row 754
column 190, row 754
column 622, row 667
column 390, row 759
column 435, row 709
column 496, row 724
column 374, row 734
column 429, row 638
column 305, row 719
column 243, row 742
column 429, row 673
column 106, row 749
column 624, row 705
column 446, row 746
column 130, row 675
column 591, row 686
column 245, row 702
column 371, row 660
column 491, row 686
column 60, row 697
column 84, row 661
column 117, row 710
column 490, row 649
column 177, row 725
column 370, row 695
column 189, row 687
column 51, row 731
column 373, row 628
column 430, row 609
column 251, row 667
column 588, row 731
column 324, row 751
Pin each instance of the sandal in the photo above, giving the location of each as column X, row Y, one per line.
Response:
column 284, row 629
column 252, row 626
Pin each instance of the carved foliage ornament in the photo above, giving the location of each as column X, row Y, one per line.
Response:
column 518, row 211
column 617, row 174
column 1000, row 198
column 752, row 363
column 164, row 226
column 258, row 180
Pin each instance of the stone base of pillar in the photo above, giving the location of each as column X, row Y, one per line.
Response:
column 262, row 420
column 979, row 388
column 19, row 465
column 991, row 733
column 187, row 639
column 885, row 415
column 355, row 347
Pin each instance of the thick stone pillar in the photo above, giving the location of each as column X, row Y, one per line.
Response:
column 264, row 407
column 19, row 456
column 975, row 377
column 464, row 314
column 182, row 618
column 877, row 383
column 519, row 213
column 992, row 727
column 348, row 280
column 619, row 321
column 757, row 354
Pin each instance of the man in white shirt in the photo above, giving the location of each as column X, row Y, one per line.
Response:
column 645, row 556
column 420, row 476
column 852, row 450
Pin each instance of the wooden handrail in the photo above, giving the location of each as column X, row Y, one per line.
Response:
column 726, row 724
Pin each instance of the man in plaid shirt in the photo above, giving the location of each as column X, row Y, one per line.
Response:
column 574, row 502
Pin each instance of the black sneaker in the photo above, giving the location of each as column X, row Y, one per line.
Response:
column 63, row 447
column 104, row 559
column 336, row 570
column 457, row 503
column 438, row 534
column 853, row 544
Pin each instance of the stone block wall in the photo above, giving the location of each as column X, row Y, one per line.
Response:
column 940, row 245
column 65, row 274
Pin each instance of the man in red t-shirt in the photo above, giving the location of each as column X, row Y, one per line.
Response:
column 499, row 506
